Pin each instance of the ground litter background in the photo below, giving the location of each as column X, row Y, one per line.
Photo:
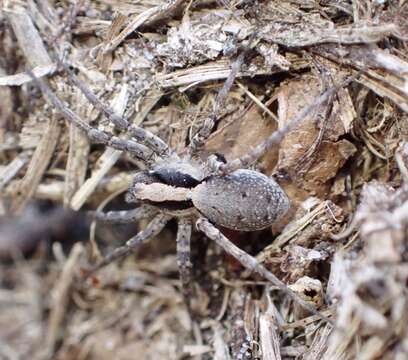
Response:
column 161, row 64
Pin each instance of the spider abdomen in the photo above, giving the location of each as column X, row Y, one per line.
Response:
column 245, row 200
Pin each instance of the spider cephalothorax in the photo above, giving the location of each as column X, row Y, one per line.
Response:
column 244, row 200
column 207, row 193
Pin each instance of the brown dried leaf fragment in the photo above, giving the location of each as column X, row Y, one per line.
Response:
column 310, row 154
column 242, row 132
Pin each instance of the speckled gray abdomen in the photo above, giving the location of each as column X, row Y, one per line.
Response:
column 245, row 200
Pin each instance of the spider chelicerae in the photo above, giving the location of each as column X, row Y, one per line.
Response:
column 206, row 194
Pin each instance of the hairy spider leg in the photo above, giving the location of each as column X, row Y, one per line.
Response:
column 277, row 136
column 183, row 256
column 124, row 216
column 143, row 136
column 98, row 136
column 199, row 139
column 152, row 229
column 250, row 263
column 202, row 135
column 184, row 231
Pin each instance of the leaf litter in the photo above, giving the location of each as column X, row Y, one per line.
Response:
column 342, row 247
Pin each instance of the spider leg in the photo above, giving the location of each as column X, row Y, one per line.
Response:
column 152, row 141
column 252, row 264
column 151, row 230
column 95, row 135
column 202, row 135
column 183, row 256
column 199, row 139
column 277, row 136
column 124, row 216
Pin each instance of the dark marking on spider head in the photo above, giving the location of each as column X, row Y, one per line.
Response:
column 179, row 173
column 175, row 178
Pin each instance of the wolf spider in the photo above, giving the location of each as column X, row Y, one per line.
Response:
column 208, row 193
